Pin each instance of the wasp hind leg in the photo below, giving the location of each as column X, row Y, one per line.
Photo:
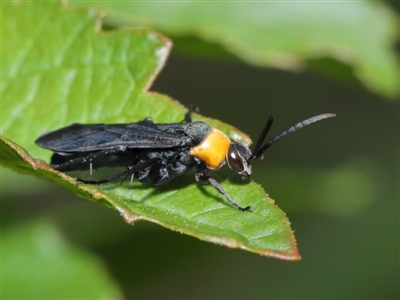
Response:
column 201, row 178
column 69, row 165
column 129, row 171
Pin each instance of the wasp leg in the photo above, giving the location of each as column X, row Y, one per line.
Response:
column 201, row 178
column 147, row 122
column 89, row 158
column 192, row 108
column 129, row 171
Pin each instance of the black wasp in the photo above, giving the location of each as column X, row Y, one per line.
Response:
column 158, row 152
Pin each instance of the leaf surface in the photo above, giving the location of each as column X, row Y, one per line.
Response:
column 286, row 35
column 66, row 70
column 37, row 247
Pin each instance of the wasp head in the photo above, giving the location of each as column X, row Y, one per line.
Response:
column 238, row 159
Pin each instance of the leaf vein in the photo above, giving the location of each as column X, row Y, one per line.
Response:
column 29, row 99
column 25, row 50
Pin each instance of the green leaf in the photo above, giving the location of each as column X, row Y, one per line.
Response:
column 65, row 70
column 284, row 35
column 327, row 192
column 181, row 206
column 38, row 263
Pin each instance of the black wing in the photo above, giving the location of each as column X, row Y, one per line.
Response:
column 93, row 137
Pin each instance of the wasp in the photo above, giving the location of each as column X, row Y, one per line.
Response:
column 158, row 153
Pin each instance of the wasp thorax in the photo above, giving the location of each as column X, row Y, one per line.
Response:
column 212, row 149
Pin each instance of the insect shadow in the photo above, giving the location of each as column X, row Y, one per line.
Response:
column 175, row 185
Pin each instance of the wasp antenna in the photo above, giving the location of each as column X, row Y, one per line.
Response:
column 290, row 130
column 262, row 137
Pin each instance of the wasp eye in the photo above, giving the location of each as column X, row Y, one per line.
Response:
column 235, row 162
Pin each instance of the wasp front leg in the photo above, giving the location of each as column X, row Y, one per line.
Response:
column 202, row 178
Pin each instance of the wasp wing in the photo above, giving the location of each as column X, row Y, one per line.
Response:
column 93, row 137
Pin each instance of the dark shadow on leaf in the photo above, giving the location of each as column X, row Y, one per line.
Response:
column 181, row 182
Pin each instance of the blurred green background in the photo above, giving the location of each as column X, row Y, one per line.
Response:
column 337, row 181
